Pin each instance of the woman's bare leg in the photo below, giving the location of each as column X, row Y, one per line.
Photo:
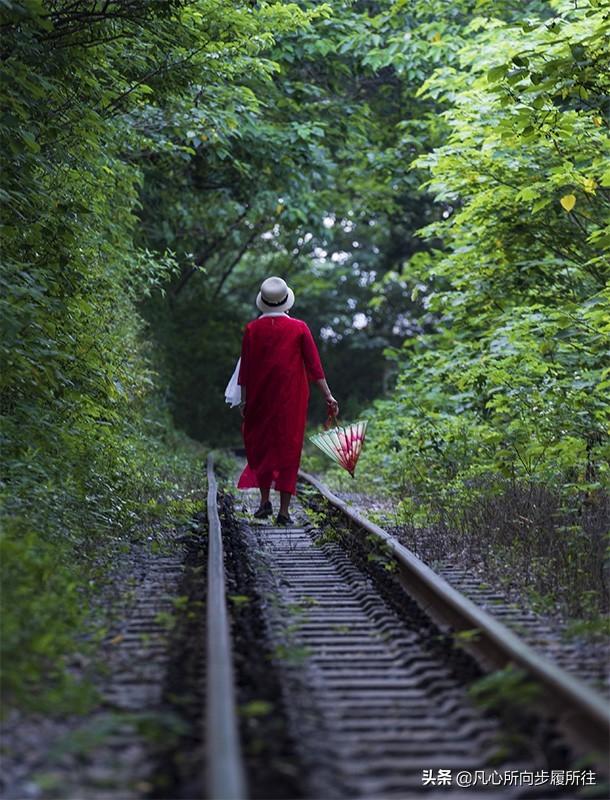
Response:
column 284, row 502
column 264, row 494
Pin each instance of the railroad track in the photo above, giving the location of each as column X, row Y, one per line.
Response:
column 374, row 690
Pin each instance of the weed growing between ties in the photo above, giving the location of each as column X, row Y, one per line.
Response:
column 524, row 734
column 274, row 772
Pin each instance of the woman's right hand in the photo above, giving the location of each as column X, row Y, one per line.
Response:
column 333, row 406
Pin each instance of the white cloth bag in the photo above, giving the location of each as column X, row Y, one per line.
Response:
column 233, row 390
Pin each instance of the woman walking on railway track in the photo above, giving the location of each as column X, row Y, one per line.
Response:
column 278, row 360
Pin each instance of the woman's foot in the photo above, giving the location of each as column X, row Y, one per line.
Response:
column 264, row 510
column 283, row 519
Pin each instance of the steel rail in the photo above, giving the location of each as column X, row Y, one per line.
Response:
column 582, row 712
column 225, row 776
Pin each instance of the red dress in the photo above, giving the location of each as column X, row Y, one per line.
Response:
column 278, row 359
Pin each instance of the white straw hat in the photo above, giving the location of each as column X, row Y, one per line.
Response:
column 275, row 295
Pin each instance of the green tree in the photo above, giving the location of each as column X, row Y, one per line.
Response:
column 85, row 426
column 510, row 389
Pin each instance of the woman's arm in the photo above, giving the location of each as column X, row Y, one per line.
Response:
column 315, row 372
column 332, row 403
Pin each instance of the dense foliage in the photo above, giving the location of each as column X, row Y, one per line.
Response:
column 519, row 285
column 86, row 435
column 508, row 396
column 430, row 177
